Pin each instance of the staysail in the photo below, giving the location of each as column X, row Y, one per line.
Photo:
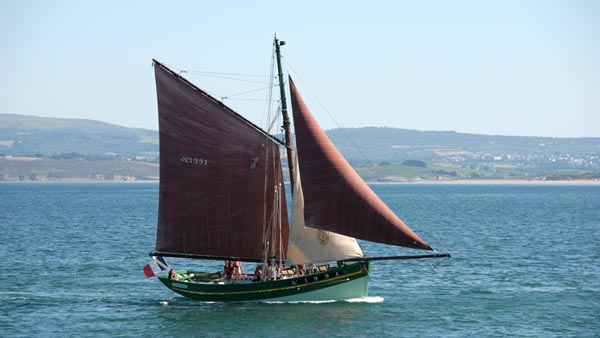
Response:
column 309, row 245
column 335, row 197
column 221, row 187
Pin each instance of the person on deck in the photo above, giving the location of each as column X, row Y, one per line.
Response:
column 272, row 272
column 258, row 273
column 173, row 275
column 228, row 271
column 237, row 268
column 310, row 269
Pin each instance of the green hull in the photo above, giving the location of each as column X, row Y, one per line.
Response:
column 337, row 283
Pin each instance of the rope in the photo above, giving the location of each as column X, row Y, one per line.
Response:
column 239, row 99
column 266, row 222
column 275, row 119
column 220, row 73
column 225, row 77
column 268, row 109
column 246, row 92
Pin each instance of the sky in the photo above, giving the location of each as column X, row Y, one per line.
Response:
column 512, row 67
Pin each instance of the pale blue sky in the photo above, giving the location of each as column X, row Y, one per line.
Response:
column 488, row 67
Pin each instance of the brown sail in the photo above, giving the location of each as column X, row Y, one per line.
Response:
column 221, row 187
column 335, row 197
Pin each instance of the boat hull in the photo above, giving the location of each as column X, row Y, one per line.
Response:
column 337, row 283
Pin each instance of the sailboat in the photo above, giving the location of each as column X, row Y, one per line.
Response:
column 222, row 197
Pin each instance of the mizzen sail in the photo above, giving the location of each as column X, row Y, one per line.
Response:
column 335, row 197
column 221, row 187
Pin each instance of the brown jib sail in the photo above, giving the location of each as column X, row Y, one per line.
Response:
column 221, row 186
column 335, row 197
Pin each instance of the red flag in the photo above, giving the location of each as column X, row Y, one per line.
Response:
column 152, row 269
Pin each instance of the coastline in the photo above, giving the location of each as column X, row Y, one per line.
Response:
column 80, row 181
column 499, row 182
column 423, row 182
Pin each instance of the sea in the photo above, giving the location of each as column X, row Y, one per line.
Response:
column 525, row 263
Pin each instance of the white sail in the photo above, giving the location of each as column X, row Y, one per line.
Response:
column 307, row 245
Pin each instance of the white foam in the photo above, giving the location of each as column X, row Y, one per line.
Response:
column 372, row 299
column 301, row 302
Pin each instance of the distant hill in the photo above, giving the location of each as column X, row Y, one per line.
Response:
column 378, row 154
column 22, row 135
column 371, row 144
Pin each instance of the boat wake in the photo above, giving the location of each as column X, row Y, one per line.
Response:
column 300, row 302
column 372, row 299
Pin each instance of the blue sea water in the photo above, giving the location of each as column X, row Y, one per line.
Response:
column 526, row 263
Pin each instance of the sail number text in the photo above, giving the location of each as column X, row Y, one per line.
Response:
column 193, row 160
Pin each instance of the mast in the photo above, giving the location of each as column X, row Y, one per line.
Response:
column 284, row 112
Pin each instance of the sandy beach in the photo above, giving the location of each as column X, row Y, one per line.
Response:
column 499, row 182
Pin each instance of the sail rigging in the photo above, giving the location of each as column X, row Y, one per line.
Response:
column 222, row 196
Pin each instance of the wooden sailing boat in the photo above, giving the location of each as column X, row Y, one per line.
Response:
column 222, row 198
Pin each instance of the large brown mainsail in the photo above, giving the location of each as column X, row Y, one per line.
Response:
column 221, row 187
column 335, row 197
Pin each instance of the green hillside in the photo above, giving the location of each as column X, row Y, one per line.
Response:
column 371, row 144
column 47, row 169
column 22, row 135
column 38, row 148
